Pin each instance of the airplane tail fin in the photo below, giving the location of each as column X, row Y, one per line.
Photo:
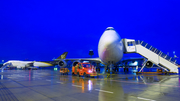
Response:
column 63, row 56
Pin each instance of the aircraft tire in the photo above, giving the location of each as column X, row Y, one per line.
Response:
column 84, row 74
column 78, row 74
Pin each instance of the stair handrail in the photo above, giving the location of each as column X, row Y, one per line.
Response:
column 156, row 51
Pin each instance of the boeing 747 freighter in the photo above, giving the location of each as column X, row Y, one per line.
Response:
column 110, row 50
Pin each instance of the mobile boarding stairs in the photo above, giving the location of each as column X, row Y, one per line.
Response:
column 151, row 54
column 5, row 66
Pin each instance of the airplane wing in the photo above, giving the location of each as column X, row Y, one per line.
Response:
column 97, row 60
column 81, row 59
column 131, row 59
column 62, row 61
column 63, row 57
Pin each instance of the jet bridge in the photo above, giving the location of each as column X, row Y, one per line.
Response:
column 152, row 54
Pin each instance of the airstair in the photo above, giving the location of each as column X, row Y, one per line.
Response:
column 152, row 54
column 4, row 66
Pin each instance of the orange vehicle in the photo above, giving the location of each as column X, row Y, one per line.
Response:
column 84, row 69
column 64, row 71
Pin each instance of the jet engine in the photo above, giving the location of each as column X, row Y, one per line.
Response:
column 62, row 63
column 149, row 64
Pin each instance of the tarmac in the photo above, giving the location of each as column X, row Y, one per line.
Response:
column 50, row 85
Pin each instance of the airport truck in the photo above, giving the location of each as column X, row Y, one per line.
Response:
column 64, row 71
column 84, row 69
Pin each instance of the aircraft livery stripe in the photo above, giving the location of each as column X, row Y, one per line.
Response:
column 47, row 63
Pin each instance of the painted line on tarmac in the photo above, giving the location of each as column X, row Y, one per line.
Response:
column 48, row 80
column 76, row 85
column 104, row 91
column 60, row 82
column 10, row 77
column 145, row 99
column 145, row 84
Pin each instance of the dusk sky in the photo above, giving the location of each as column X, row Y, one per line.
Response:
column 44, row 29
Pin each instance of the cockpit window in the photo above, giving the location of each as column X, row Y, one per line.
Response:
column 109, row 29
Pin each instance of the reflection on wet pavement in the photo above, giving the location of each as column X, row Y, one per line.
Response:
column 49, row 85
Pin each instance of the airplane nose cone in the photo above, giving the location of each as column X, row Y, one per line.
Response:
column 109, row 37
column 110, row 46
column 110, row 41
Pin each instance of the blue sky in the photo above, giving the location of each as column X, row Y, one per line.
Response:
column 42, row 30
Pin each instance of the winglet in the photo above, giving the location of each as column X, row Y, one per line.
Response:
column 63, row 56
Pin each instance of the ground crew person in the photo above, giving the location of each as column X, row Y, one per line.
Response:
column 76, row 68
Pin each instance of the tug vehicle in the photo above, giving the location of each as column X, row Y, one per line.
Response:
column 64, row 71
column 84, row 69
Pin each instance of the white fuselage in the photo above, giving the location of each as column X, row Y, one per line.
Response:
column 18, row 64
column 42, row 64
column 23, row 64
column 110, row 48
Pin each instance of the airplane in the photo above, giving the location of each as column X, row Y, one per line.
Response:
column 33, row 64
column 110, row 50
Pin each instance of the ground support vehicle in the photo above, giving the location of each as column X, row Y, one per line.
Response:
column 64, row 71
column 84, row 69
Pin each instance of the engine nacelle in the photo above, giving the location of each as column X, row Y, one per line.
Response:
column 149, row 64
column 62, row 63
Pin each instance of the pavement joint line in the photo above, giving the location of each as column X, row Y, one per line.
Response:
column 104, row 91
column 145, row 99
column 32, row 89
column 60, row 82
column 76, row 85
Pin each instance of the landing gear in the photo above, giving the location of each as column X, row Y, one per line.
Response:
column 166, row 73
column 98, row 68
column 105, row 69
column 111, row 66
column 126, row 70
column 116, row 69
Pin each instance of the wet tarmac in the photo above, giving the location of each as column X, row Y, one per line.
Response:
column 49, row 85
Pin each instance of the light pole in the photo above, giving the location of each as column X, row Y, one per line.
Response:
column 91, row 53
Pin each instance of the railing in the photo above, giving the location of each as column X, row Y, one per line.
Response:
column 155, row 50
column 4, row 66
